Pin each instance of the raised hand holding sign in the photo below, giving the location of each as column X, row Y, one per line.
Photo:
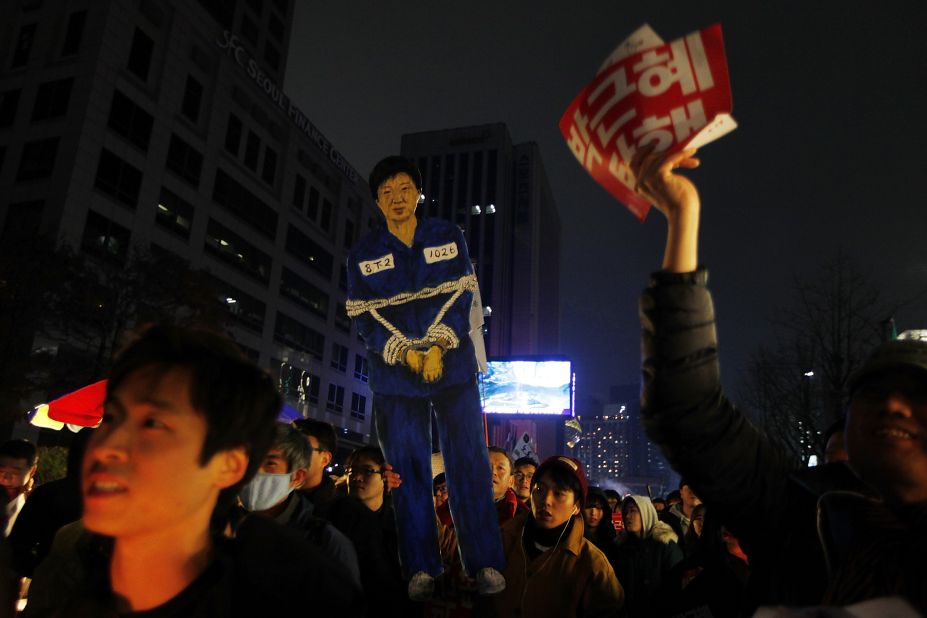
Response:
column 669, row 95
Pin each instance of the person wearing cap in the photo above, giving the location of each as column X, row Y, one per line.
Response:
column 411, row 287
column 873, row 537
column 551, row 569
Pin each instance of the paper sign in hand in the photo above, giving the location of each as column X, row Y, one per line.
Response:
column 674, row 95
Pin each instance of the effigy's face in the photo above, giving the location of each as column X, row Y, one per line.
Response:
column 397, row 198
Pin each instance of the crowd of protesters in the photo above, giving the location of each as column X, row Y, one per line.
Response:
column 191, row 499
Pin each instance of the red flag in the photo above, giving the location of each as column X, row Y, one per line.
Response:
column 671, row 94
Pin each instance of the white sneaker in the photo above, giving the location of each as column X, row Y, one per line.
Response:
column 422, row 586
column 489, row 581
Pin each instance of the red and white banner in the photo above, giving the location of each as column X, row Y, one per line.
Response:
column 675, row 95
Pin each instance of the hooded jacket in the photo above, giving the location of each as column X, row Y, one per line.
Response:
column 642, row 562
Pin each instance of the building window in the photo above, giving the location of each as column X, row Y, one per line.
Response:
column 233, row 135
column 339, row 357
column 249, row 30
column 130, row 121
column 74, row 33
column 23, row 46
column 244, row 308
column 275, row 26
column 360, row 368
column 104, row 238
column 326, row 222
column 299, row 192
column 269, row 171
column 358, row 406
column 248, row 207
column 271, row 55
column 238, row 252
column 140, row 54
column 184, row 160
column 9, row 101
column 38, row 159
column 300, row 291
column 118, row 179
column 342, row 321
column 312, row 389
column 192, row 97
column 221, row 10
column 309, row 252
column 296, row 335
column 335, row 401
column 252, row 150
column 52, row 99
column 174, row 213
column 312, row 210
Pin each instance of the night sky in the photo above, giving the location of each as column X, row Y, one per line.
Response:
column 831, row 99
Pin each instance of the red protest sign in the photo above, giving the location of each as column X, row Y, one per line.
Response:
column 673, row 94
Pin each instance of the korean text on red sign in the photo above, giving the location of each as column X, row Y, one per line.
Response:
column 675, row 95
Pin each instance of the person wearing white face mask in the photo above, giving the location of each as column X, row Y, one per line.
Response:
column 270, row 494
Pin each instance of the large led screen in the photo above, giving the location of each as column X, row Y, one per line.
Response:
column 528, row 387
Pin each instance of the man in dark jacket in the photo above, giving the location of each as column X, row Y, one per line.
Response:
column 874, row 539
column 348, row 515
column 187, row 421
column 271, row 494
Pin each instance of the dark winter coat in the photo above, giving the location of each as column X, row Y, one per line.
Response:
column 362, row 527
column 267, row 570
column 768, row 503
column 642, row 562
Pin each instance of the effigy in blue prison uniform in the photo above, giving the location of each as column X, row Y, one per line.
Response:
column 420, row 296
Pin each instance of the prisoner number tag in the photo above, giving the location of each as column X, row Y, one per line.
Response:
column 372, row 267
column 439, row 254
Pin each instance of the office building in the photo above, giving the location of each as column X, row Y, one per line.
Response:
column 498, row 193
column 164, row 126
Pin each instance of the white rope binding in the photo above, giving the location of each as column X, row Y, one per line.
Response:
column 437, row 332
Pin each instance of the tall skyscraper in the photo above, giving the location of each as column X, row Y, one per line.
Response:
column 164, row 126
column 498, row 193
column 605, row 445
column 614, row 446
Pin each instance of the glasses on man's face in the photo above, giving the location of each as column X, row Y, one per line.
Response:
column 365, row 471
column 522, row 476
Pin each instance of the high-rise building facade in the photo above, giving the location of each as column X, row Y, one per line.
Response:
column 498, row 193
column 616, row 451
column 605, row 444
column 164, row 126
